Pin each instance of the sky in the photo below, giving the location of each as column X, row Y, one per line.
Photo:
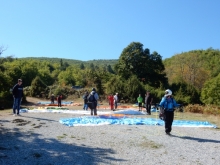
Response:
column 100, row 29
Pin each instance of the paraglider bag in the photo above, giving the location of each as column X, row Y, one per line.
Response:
column 161, row 113
column 161, row 116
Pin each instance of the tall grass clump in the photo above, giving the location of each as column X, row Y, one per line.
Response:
column 203, row 109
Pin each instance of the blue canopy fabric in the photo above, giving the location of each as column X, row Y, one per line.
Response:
column 119, row 120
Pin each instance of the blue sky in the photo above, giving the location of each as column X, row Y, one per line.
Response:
column 101, row 29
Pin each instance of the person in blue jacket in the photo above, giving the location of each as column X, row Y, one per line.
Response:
column 167, row 104
column 17, row 92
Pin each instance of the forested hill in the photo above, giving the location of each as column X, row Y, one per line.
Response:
column 193, row 76
column 97, row 62
column 194, row 67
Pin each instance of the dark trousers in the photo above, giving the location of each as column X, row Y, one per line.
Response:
column 93, row 107
column 116, row 104
column 148, row 108
column 16, row 105
column 59, row 103
column 168, row 119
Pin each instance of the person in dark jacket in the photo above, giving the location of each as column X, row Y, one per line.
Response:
column 59, row 99
column 93, row 101
column 148, row 102
column 17, row 92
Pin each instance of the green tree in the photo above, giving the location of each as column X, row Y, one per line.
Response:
column 82, row 66
column 135, row 60
column 66, row 78
column 211, row 91
column 37, row 87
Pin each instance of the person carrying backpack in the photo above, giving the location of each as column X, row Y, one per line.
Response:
column 85, row 106
column 167, row 105
column 93, row 101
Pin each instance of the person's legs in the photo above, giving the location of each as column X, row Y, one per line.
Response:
column 111, row 105
column 18, row 106
column 92, row 111
column 86, row 107
column 148, row 106
column 15, row 105
column 168, row 119
column 116, row 105
column 95, row 112
column 59, row 103
column 95, row 108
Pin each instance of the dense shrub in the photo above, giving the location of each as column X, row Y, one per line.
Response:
column 204, row 109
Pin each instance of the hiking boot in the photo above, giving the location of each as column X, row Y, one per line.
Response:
column 168, row 133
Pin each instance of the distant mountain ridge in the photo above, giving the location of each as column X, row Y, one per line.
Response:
column 98, row 62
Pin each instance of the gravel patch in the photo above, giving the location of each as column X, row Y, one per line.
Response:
column 39, row 139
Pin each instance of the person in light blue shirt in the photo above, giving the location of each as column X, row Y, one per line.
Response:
column 167, row 104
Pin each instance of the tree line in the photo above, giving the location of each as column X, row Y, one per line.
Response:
column 192, row 76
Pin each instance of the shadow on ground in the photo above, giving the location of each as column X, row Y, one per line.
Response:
column 17, row 147
column 197, row 139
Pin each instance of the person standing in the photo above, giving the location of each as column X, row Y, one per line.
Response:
column 17, row 92
column 148, row 102
column 52, row 99
column 93, row 101
column 111, row 101
column 85, row 98
column 116, row 101
column 59, row 99
column 140, row 101
column 167, row 105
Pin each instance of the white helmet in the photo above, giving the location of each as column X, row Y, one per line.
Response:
column 168, row 92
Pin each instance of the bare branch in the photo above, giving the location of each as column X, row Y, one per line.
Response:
column 2, row 49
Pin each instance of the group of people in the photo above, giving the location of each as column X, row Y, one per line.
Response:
column 167, row 106
column 59, row 99
column 91, row 101
column 148, row 102
column 167, row 103
column 113, row 101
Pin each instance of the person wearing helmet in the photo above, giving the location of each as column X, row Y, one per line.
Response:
column 167, row 104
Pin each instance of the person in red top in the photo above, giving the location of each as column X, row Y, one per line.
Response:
column 111, row 101
column 59, row 98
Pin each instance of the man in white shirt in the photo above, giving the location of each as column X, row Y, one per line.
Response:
column 116, row 100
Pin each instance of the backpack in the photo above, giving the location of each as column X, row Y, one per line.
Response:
column 91, row 98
